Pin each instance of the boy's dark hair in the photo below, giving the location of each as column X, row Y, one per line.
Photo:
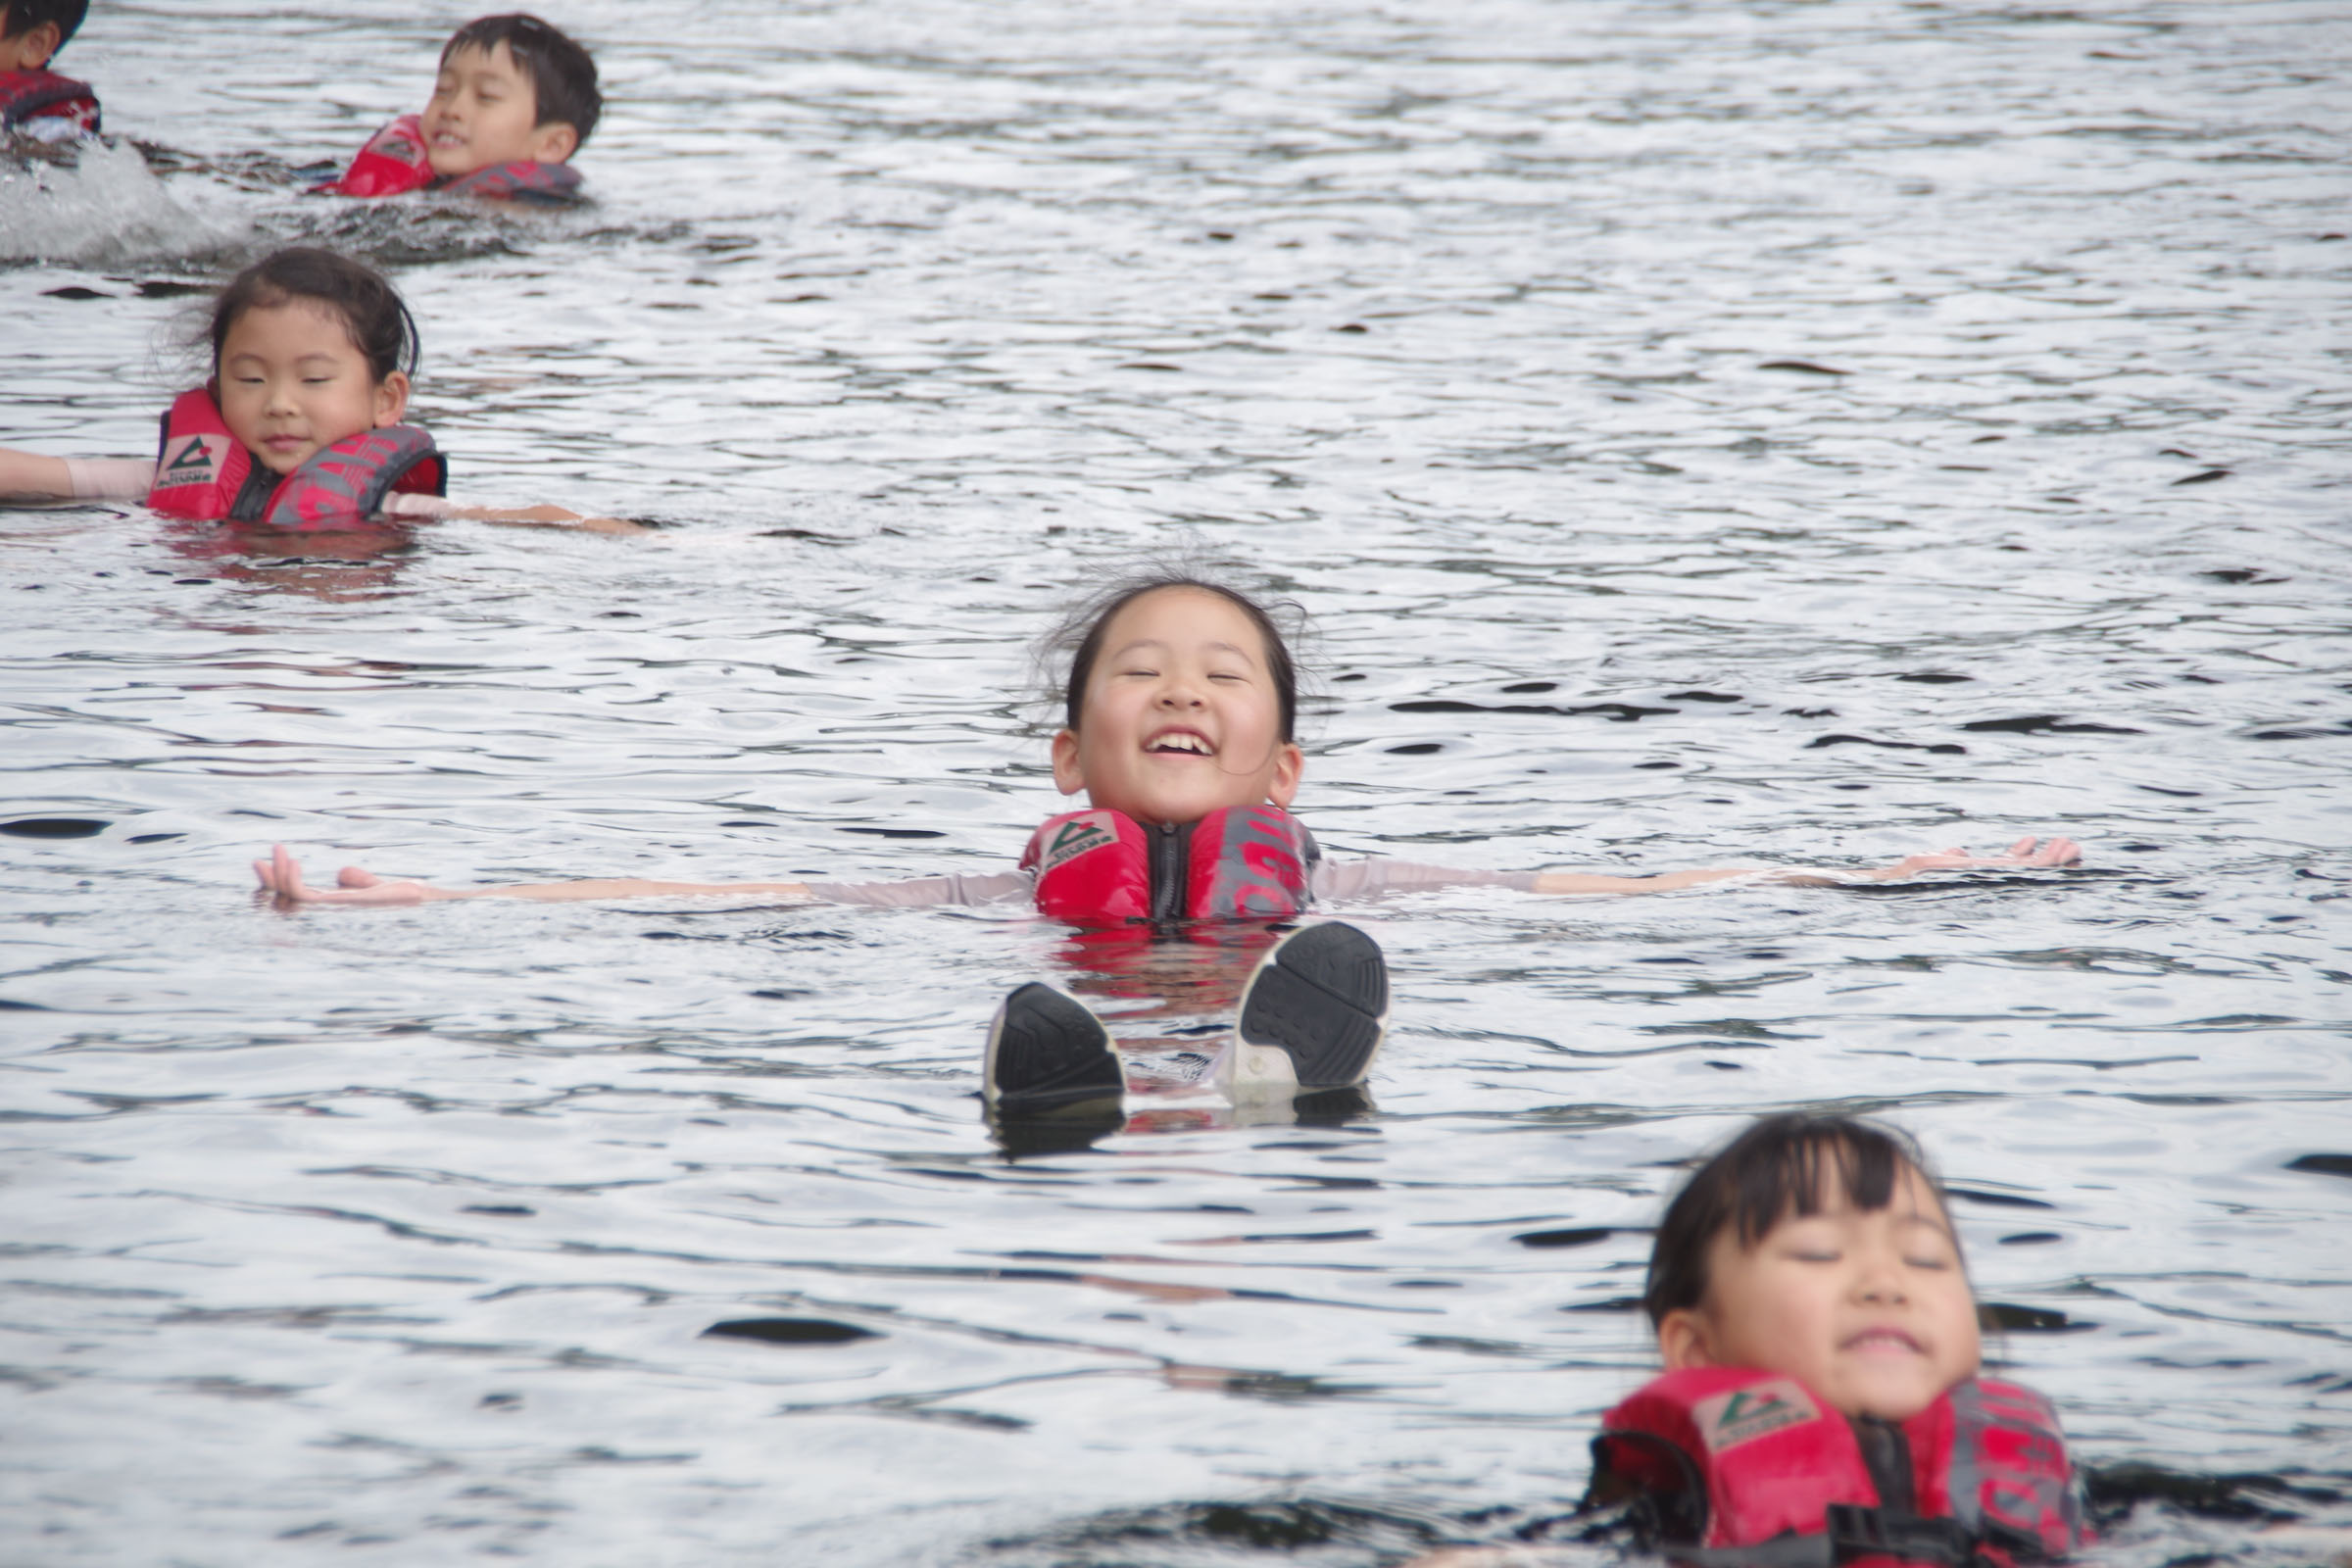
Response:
column 1081, row 632
column 1774, row 1169
column 562, row 76
column 18, row 16
column 380, row 325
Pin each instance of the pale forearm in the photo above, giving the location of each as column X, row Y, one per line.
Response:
column 1663, row 882
column 543, row 516
column 2025, row 855
column 30, row 476
column 619, row 888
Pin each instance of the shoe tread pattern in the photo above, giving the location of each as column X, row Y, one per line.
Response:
column 1323, row 997
column 1050, row 1051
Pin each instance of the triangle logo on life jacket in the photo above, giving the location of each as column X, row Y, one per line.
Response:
column 1743, row 1415
column 197, row 461
column 1073, row 839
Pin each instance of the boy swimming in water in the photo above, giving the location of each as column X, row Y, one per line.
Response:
column 514, row 100
column 35, row 100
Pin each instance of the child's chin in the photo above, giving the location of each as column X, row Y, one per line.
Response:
column 1889, row 1403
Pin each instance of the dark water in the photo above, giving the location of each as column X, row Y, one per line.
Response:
column 1764, row 434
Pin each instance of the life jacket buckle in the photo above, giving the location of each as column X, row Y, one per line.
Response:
column 1856, row 1532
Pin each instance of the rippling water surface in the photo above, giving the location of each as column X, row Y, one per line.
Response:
column 1702, row 434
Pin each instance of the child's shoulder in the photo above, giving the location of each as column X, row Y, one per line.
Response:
column 47, row 104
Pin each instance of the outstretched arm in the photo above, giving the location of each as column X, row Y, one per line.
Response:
column 2025, row 854
column 540, row 516
column 30, row 476
column 282, row 874
column 545, row 517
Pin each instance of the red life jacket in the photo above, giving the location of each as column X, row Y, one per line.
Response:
column 205, row 473
column 394, row 161
column 1247, row 863
column 1737, row 1468
column 26, row 95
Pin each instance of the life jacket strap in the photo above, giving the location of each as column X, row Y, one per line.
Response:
column 1856, row 1532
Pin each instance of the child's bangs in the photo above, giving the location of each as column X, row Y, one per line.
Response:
column 1791, row 1165
column 1808, row 1168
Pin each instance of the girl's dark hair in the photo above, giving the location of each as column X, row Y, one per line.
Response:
column 380, row 325
column 19, row 17
column 1079, row 635
column 562, row 76
column 1773, row 1170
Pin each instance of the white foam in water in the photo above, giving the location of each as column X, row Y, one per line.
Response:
column 106, row 207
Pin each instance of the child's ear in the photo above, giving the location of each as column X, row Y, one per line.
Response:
column 1068, row 776
column 1288, row 762
column 1683, row 1341
column 36, row 44
column 554, row 142
column 392, row 398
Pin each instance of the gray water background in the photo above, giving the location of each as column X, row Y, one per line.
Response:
column 391, row 1236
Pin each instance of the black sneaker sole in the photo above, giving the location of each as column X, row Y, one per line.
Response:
column 1321, row 996
column 1047, row 1050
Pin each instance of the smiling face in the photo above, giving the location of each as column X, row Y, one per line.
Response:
column 1180, row 716
column 292, row 380
column 484, row 111
column 1869, row 1307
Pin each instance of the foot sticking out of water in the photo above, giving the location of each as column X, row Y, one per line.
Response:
column 1314, row 1014
column 1312, row 1019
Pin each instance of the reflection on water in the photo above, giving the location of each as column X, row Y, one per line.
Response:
column 1703, row 434
column 337, row 566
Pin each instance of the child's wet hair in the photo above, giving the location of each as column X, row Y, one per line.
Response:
column 1776, row 1169
column 1079, row 635
column 370, row 308
column 562, row 76
column 21, row 17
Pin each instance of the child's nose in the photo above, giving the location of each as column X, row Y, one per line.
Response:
column 1880, row 1278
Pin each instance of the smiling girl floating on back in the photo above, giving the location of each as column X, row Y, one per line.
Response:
column 1179, row 707
column 301, row 424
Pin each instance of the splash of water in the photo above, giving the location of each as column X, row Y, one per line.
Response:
column 103, row 207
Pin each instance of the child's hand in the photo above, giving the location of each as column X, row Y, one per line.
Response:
column 2022, row 854
column 282, row 874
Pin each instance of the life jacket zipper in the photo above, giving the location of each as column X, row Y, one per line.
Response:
column 1170, row 864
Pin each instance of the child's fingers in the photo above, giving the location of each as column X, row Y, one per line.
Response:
column 351, row 876
column 285, row 872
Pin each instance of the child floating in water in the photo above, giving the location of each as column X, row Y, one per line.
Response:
column 514, row 100
column 36, row 101
column 300, row 426
column 1179, row 709
column 1821, row 1402
column 1821, row 1348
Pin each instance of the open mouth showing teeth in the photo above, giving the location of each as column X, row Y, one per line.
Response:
column 1186, row 744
